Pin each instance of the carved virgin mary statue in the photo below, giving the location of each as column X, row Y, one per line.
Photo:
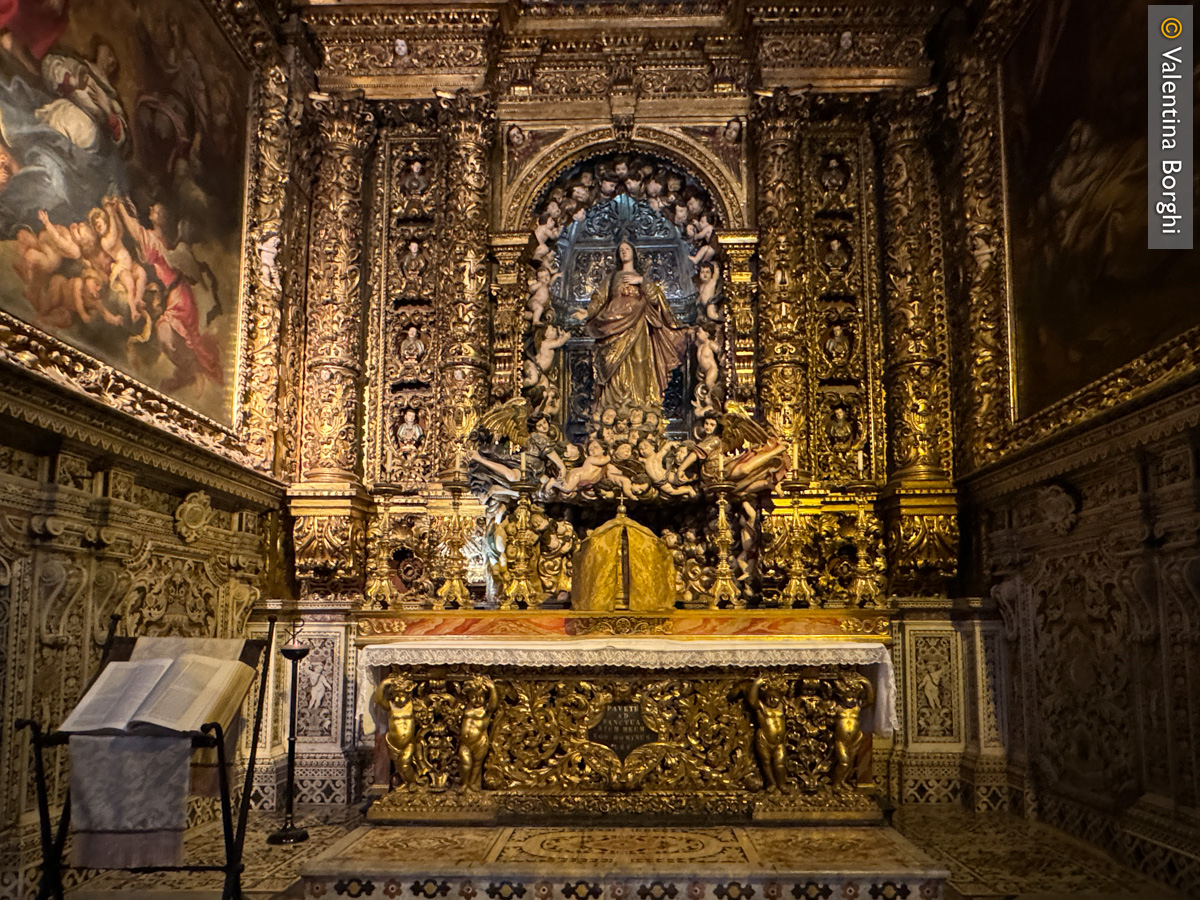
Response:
column 639, row 342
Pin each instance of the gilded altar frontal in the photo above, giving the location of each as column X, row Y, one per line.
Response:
column 704, row 448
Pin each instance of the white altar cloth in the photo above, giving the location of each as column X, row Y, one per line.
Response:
column 633, row 653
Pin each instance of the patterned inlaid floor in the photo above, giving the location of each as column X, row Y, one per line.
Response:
column 607, row 851
column 995, row 855
column 988, row 856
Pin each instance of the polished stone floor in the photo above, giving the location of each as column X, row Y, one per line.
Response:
column 989, row 856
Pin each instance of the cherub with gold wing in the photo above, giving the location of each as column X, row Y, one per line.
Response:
column 496, row 471
column 754, row 458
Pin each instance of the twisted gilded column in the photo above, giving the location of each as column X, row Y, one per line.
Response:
column 466, row 123
column 329, row 502
column 782, row 359
column 919, row 500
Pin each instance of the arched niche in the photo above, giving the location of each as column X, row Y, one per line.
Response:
column 671, row 218
column 547, row 167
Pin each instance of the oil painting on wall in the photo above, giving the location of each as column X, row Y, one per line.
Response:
column 1087, row 295
column 122, row 146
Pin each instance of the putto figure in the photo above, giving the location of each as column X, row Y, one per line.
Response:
column 639, row 342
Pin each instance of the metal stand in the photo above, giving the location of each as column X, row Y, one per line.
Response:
column 50, row 887
column 289, row 832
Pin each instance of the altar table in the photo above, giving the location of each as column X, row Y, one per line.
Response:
column 776, row 728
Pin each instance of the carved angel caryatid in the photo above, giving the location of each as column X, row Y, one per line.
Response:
column 480, row 700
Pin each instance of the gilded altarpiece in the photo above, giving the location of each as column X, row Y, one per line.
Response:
column 809, row 308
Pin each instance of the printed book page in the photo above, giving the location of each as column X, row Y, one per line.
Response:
column 115, row 697
column 162, row 694
column 195, row 690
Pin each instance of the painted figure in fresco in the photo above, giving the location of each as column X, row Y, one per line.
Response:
column 29, row 28
column 178, row 329
column 88, row 106
column 126, row 279
column 639, row 342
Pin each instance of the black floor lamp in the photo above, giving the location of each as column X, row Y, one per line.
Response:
column 289, row 832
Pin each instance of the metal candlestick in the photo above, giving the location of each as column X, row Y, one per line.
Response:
column 724, row 589
column 289, row 832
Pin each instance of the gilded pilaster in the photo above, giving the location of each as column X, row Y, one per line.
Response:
column 919, row 500
column 275, row 249
column 739, row 288
column 782, row 356
column 328, row 503
column 466, row 124
column 508, row 325
column 972, row 108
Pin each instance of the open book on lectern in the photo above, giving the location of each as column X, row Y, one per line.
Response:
column 152, row 696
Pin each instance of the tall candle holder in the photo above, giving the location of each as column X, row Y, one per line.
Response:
column 290, row 832
column 454, row 589
column 724, row 589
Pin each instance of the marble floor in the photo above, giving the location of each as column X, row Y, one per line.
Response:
column 985, row 856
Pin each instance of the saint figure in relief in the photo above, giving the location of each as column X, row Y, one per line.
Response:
column 639, row 342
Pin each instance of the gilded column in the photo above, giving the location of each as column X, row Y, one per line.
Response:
column 329, row 503
column 782, row 361
column 983, row 360
column 919, row 499
column 466, row 123
column 274, row 248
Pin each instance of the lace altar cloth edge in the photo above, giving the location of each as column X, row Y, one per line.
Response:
column 633, row 653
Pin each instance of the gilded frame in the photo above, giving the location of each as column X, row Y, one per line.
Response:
column 90, row 380
column 1167, row 367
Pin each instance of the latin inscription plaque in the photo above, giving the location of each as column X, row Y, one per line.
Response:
column 622, row 729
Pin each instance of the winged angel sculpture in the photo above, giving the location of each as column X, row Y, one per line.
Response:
column 627, row 456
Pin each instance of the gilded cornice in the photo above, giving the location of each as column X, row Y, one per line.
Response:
column 1091, row 441
column 394, row 52
column 908, row 12
column 810, row 45
column 138, row 443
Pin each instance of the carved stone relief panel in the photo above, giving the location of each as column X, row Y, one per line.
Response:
column 81, row 539
column 934, row 690
column 319, row 690
column 1092, row 548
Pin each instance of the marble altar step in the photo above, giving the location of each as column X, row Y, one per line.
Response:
column 707, row 863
